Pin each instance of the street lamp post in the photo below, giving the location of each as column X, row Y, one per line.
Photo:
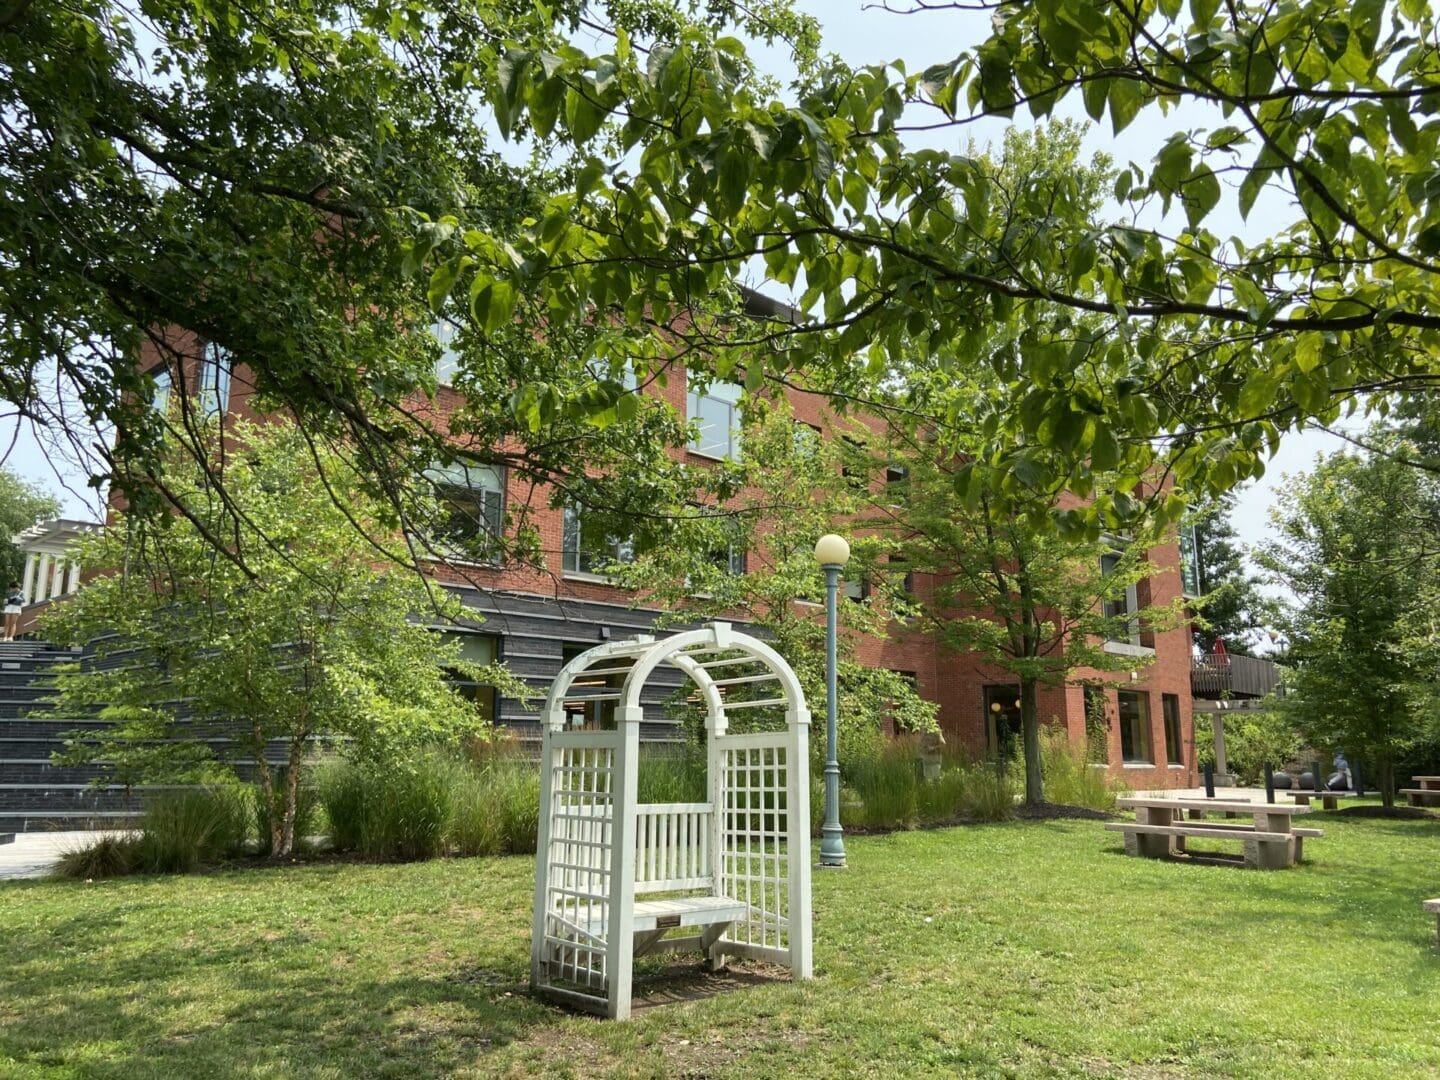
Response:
column 832, row 553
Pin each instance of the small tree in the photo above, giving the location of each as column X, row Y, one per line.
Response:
column 1033, row 602
column 198, row 667
column 1355, row 543
column 752, row 558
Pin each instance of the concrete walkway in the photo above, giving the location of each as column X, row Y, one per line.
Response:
column 31, row 855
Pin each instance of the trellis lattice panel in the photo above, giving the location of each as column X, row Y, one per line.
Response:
column 578, row 860
column 754, row 864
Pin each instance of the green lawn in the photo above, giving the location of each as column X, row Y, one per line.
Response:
column 1033, row 949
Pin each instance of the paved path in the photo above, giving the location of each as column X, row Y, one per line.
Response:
column 31, row 855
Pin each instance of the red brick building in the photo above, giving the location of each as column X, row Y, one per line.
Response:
column 536, row 617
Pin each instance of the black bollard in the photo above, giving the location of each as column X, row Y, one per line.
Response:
column 1209, row 781
column 1269, row 783
column 1356, row 779
column 1315, row 775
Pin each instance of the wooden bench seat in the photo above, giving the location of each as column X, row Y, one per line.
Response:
column 1328, row 799
column 1268, row 850
column 1220, row 832
column 1422, row 796
column 1246, row 827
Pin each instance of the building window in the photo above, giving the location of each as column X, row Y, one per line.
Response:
column 857, row 589
column 472, row 509
column 213, row 382
column 589, row 547
column 1003, row 725
column 807, row 440
column 1135, row 727
column 730, row 558
column 161, row 378
column 1174, row 747
column 1121, row 606
column 907, row 577
column 445, row 332
column 715, row 415
column 481, row 650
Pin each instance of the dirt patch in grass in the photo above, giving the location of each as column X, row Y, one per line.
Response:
column 1410, row 812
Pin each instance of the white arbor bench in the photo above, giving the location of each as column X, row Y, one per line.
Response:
column 616, row 879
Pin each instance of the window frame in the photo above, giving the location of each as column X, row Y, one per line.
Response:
column 695, row 399
column 491, row 511
column 445, row 330
column 621, row 551
column 1131, row 754
column 214, row 400
column 1174, row 739
column 464, row 685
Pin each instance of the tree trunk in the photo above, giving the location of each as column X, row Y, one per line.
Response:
column 1385, row 766
column 292, row 799
column 1030, row 725
column 267, row 792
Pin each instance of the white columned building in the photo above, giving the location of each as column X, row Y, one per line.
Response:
column 49, row 571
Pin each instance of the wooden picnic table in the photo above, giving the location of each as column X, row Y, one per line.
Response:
column 1159, row 829
column 1427, row 793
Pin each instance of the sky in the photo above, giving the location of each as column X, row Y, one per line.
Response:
column 860, row 32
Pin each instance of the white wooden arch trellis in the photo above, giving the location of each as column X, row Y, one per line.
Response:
column 615, row 878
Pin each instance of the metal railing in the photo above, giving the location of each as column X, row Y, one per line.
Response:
column 1215, row 675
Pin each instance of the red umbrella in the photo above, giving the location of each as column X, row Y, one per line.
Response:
column 1221, row 656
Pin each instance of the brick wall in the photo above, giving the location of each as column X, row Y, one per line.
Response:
column 956, row 682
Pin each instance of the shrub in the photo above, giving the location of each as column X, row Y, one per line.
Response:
column 886, row 784
column 109, row 855
column 477, row 824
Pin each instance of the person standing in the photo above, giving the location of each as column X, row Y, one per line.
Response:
column 14, row 605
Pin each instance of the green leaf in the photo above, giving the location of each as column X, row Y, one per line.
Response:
column 1105, row 449
column 1126, row 97
column 1309, row 351
column 1202, row 192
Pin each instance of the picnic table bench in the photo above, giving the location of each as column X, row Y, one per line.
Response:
column 1328, row 799
column 1427, row 794
column 1159, row 829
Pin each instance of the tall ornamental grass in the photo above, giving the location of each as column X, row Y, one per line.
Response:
column 178, row 833
column 1070, row 779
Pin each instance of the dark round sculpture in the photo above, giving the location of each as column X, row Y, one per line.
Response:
column 1283, row 781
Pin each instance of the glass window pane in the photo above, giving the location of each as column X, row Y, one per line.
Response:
column 446, row 331
column 160, row 399
column 1135, row 727
column 214, row 379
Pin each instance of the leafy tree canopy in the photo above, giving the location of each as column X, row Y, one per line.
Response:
column 1135, row 345
column 1356, row 544
column 268, row 179
column 22, row 504
column 1232, row 607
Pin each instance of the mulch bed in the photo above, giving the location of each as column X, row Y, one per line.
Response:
column 1055, row 811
